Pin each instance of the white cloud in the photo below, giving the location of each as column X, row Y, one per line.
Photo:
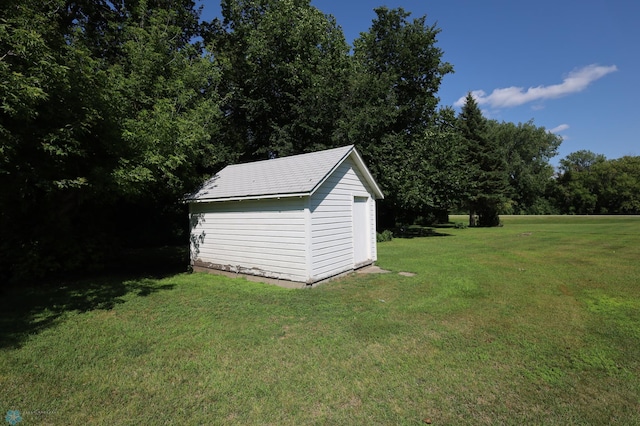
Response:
column 576, row 81
column 560, row 128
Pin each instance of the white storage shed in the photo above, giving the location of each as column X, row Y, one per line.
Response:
column 303, row 218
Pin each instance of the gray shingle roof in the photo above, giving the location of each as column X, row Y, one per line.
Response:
column 286, row 176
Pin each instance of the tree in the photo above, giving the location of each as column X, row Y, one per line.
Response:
column 285, row 69
column 435, row 177
column 397, row 70
column 105, row 107
column 577, row 183
column 624, row 195
column 43, row 123
column 528, row 151
column 488, row 185
column 580, row 161
column 163, row 91
column 590, row 184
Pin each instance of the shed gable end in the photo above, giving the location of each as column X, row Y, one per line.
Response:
column 332, row 245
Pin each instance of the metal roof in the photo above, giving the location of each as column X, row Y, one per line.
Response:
column 297, row 175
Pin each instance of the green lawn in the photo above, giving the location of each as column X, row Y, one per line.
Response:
column 536, row 322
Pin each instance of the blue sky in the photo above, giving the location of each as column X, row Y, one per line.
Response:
column 570, row 66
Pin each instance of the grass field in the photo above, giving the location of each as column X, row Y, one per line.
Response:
column 536, row 322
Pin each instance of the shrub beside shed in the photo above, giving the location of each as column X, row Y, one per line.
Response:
column 303, row 218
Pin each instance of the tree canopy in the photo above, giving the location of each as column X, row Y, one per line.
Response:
column 528, row 150
column 588, row 183
column 285, row 69
column 103, row 106
column 111, row 111
column 391, row 104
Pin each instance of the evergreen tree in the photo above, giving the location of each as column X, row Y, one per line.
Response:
column 488, row 185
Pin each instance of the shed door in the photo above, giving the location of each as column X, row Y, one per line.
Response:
column 361, row 235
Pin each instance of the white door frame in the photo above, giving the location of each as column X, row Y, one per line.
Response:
column 361, row 230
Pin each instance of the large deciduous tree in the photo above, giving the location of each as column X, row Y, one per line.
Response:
column 436, row 174
column 164, row 89
column 285, row 70
column 528, row 150
column 102, row 104
column 622, row 193
column 577, row 183
column 44, row 122
column 392, row 103
column 588, row 183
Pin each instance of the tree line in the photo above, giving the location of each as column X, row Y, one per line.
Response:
column 112, row 110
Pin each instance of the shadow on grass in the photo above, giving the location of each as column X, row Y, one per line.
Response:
column 418, row 231
column 30, row 308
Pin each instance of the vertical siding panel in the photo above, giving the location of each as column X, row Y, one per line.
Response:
column 307, row 239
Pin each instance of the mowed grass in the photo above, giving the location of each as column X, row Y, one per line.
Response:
column 536, row 322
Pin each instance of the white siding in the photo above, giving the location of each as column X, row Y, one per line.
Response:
column 331, row 221
column 259, row 237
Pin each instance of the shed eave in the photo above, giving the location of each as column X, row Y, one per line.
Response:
column 367, row 175
column 248, row 197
